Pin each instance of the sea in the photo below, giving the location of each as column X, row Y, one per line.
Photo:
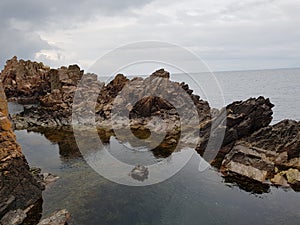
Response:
column 190, row 197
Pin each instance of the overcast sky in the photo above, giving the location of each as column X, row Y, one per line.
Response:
column 226, row 34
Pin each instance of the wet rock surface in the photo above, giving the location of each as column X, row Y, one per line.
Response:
column 18, row 188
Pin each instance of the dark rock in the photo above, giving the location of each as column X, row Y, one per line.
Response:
column 239, row 119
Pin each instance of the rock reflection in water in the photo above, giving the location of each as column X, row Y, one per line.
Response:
column 68, row 148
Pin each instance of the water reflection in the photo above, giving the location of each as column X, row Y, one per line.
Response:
column 190, row 197
column 68, row 149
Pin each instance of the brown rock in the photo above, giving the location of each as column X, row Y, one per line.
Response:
column 25, row 80
column 18, row 188
column 60, row 217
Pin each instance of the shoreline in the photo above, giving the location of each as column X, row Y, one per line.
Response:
column 244, row 146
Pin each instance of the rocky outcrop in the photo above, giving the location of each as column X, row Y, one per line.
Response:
column 137, row 97
column 18, row 188
column 237, row 120
column 269, row 154
column 25, row 81
column 240, row 133
column 55, row 108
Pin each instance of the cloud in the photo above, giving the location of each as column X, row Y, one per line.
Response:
column 227, row 34
column 20, row 43
column 21, row 21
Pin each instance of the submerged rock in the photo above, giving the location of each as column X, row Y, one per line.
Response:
column 139, row 173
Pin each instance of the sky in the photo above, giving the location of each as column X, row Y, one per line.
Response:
column 225, row 34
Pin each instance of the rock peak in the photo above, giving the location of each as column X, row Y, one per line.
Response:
column 161, row 73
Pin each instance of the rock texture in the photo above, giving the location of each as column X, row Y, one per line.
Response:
column 55, row 107
column 269, row 154
column 237, row 120
column 25, row 81
column 18, row 188
column 60, row 217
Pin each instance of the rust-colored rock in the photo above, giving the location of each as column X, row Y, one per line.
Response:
column 18, row 188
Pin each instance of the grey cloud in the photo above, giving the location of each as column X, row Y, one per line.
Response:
column 63, row 11
column 20, row 43
column 49, row 15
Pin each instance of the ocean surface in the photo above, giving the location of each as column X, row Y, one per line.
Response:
column 190, row 197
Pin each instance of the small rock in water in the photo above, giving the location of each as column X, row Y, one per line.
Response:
column 139, row 173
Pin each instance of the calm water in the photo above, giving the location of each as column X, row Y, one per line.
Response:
column 190, row 197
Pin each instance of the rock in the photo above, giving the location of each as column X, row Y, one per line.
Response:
column 237, row 120
column 139, row 173
column 250, row 162
column 25, row 80
column 44, row 179
column 280, row 180
column 250, row 148
column 293, row 176
column 271, row 153
column 13, row 217
column 60, row 217
column 18, row 188
column 161, row 73
column 282, row 138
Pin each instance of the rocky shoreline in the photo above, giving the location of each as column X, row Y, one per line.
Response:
column 251, row 151
column 20, row 186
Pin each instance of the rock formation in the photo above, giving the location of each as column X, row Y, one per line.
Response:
column 25, row 81
column 269, row 154
column 249, row 148
column 237, row 120
column 18, row 188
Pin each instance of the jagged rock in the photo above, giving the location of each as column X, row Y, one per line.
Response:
column 14, row 217
column 237, row 120
column 158, row 95
column 161, row 73
column 60, row 217
column 250, row 147
column 282, row 138
column 250, row 162
column 18, row 188
column 271, row 153
column 25, row 80
column 44, row 179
